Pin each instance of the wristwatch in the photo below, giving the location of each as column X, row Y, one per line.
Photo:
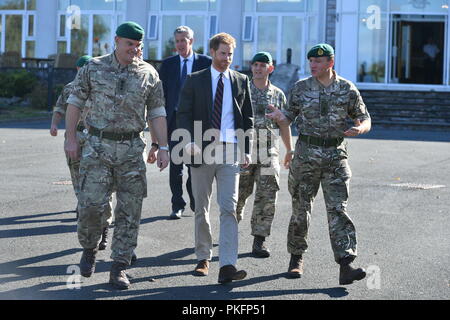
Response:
column 154, row 144
column 165, row 148
column 291, row 151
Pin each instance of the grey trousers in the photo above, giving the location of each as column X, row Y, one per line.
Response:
column 227, row 181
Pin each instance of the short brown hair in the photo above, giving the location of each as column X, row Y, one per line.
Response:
column 219, row 38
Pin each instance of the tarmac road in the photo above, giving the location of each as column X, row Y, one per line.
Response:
column 399, row 201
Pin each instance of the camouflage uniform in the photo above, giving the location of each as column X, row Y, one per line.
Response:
column 123, row 98
column 266, row 172
column 322, row 113
column 74, row 165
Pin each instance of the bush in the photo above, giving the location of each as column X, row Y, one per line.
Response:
column 16, row 83
column 38, row 96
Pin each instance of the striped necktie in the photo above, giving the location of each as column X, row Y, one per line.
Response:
column 217, row 111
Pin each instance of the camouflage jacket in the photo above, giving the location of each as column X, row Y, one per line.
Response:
column 265, row 129
column 61, row 103
column 323, row 112
column 122, row 98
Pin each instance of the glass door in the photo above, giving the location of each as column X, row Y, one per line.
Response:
column 417, row 49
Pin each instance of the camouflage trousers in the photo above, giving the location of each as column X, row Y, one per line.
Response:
column 267, row 180
column 74, row 169
column 108, row 166
column 311, row 167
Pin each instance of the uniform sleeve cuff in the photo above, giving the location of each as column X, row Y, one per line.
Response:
column 59, row 110
column 156, row 113
column 289, row 115
column 77, row 102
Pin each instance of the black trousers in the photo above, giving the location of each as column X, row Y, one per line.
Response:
column 176, row 177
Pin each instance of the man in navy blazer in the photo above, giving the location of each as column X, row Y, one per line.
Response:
column 172, row 73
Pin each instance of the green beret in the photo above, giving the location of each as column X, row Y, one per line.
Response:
column 262, row 56
column 321, row 50
column 83, row 60
column 130, row 30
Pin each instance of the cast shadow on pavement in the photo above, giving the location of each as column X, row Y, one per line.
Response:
column 48, row 230
column 154, row 291
column 38, row 231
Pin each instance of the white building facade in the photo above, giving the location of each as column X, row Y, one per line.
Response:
column 39, row 28
column 380, row 44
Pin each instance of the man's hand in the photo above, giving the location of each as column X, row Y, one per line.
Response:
column 247, row 161
column 152, row 155
column 53, row 130
column 359, row 128
column 163, row 159
column 192, row 149
column 277, row 115
column 288, row 159
column 72, row 148
column 353, row 132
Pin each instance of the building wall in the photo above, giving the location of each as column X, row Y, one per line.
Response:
column 230, row 17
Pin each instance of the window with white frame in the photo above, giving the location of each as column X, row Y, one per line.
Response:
column 87, row 27
column 276, row 26
column 18, row 26
column 166, row 15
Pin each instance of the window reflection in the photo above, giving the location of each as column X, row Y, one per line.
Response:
column 13, row 33
column 12, row 5
column 92, row 4
column 79, row 37
column 372, row 45
column 197, row 23
column 267, row 34
column 169, row 24
column 280, row 5
column 420, row 6
column 292, row 40
column 102, row 35
column 199, row 5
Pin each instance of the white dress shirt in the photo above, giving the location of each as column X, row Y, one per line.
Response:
column 189, row 63
column 227, row 131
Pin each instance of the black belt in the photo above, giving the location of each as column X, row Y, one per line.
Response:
column 80, row 127
column 321, row 142
column 112, row 135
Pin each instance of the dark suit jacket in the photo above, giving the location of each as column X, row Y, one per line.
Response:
column 196, row 103
column 170, row 74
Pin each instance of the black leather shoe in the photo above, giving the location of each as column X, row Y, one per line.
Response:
column 87, row 262
column 229, row 273
column 176, row 214
column 202, row 268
